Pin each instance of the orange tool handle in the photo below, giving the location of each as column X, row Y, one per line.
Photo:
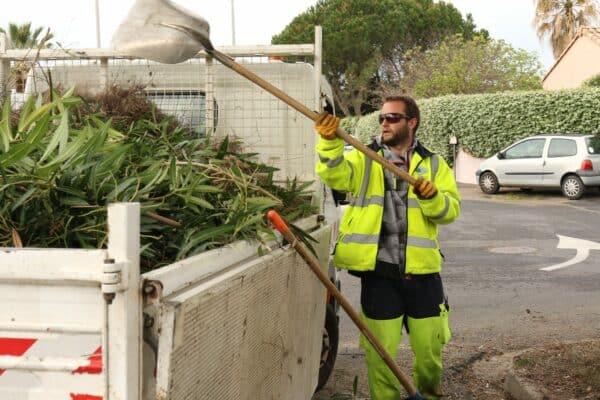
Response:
column 278, row 222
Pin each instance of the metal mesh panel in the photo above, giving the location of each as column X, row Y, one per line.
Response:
column 281, row 136
column 252, row 334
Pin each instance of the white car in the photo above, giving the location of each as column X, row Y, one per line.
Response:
column 568, row 162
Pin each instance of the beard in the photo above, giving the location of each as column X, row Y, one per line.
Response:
column 400, row 135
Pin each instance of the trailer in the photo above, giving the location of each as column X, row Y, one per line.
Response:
column 224, row 324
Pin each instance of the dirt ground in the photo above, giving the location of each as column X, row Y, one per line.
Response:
column 565, row 371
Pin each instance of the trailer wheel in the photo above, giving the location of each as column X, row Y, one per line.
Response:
column 329, row 347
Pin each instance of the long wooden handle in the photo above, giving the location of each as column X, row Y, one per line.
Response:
column 251, row 76
column 285, row 231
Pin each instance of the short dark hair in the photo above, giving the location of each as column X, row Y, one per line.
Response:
column 411, row 106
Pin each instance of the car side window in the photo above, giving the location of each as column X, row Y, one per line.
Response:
column 593, row 144
column 562, row 148
column 532, row 148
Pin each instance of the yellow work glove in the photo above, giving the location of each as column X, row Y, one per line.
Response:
column 425, row 189
column 326, row 125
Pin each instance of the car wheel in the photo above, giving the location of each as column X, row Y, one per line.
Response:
column 488, row 183
column 329, row 347
column 572, row 187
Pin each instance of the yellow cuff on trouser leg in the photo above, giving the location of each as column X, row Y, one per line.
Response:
column 427, row 337
column 383, row 384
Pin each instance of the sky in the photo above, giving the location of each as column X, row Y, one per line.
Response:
column 73, row 22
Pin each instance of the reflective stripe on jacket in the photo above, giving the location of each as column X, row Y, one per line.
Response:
column 358, row 238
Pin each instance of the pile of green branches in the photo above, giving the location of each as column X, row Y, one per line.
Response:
column 62, row 162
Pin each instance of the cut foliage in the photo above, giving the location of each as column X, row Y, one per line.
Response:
column 62, row 163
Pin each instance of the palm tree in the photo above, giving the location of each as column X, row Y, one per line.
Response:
column 22, row 37
column 561, row 19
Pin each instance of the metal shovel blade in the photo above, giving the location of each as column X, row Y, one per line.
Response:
column 146, row 32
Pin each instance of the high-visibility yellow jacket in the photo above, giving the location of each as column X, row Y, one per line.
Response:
column 362, row 178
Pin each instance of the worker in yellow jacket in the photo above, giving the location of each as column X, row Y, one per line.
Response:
column 388, row 238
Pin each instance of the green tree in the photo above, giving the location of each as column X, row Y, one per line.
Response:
column 22, row 37
column 593, row 82
column 560, row 20
column 364, row 41
column 480, row 65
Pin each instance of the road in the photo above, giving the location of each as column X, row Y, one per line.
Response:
column 501, row 299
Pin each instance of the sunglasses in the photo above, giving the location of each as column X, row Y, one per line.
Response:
column 392, row 118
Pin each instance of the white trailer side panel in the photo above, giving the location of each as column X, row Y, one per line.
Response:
column 70, row 319
column 251, row 331
column 51, row 313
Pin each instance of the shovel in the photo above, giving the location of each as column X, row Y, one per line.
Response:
column 162, row 31
column 285, row 231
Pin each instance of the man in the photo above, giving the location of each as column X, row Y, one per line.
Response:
column 388, row 237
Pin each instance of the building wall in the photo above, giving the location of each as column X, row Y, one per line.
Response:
column 465, row 167
column 579, row 63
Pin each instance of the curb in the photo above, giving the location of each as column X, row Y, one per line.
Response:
column 519, row 389
column 514, row 385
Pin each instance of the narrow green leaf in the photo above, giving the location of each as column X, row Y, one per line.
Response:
column 23, row 198
column 36, row 115
column 209, row 234
column 5, row 128
column 69, row 93
column 21, row 150
column 223, row 148
column 121, row 187
column 72, row 149
column 73, row 191
column 207, row 189
column 71, row 201
column 60, row 136
column 26, row 110
column 197, row 201
column 112, row 159
column 261, row 202
column 159, row 176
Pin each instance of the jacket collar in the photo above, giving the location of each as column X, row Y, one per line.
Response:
column 423, row 151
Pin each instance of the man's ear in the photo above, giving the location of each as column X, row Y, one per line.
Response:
column 412, row 123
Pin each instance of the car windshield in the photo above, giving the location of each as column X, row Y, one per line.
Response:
column 593, row 144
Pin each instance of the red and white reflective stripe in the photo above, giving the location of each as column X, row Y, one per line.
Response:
column 61, row 367
column 14, row 347
column 95, row 365
column 84, row 397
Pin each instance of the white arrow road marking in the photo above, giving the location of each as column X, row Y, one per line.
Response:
column 582, row 246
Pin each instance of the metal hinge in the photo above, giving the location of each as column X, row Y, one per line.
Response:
column 112, row 278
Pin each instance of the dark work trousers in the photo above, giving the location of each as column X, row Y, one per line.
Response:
column 419, row 296
column 417, row 302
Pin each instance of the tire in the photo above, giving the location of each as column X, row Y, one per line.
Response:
column 329, row 347
column 572, row 187
column 488, row 183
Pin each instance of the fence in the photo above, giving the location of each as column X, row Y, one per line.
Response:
column 202, row 94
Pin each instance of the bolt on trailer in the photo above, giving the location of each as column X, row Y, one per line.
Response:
column 174, row 296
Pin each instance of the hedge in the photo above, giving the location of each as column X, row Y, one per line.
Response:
column 486, row 123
